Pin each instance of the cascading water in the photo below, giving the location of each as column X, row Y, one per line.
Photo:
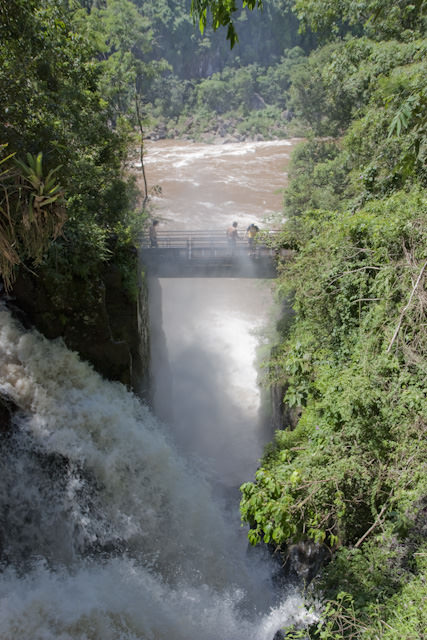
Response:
column 108, row 533
column 205, row 383
column 116, row 525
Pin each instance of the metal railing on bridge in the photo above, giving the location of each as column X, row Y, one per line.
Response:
column 204, row 239
column 209, row 253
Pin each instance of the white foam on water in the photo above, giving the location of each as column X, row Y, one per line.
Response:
column 122, row 601
column 183, row 155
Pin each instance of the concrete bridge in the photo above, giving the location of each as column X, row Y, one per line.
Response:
column 204, row 254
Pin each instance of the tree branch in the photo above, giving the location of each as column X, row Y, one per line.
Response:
column 141, row 148
column 406, row 307
column 345, row 273
column 374, row 526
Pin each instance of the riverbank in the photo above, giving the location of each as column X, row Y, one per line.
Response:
column 260, row 126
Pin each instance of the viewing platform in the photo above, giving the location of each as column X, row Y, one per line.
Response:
column 204, row 254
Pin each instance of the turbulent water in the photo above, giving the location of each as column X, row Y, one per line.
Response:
column 208, row 186
column 109, row 533
column 113, row 524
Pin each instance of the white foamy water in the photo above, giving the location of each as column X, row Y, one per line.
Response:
column 108, row 532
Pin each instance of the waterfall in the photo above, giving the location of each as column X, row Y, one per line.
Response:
column 108, row 532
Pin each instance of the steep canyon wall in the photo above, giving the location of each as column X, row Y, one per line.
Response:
column 100, row 317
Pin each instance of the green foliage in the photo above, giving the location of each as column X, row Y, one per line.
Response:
column 185, row 59
column 263, row 36
column 355, row 465
column 318, row 177
column 249, row 101
column 54, row 104
column 352, row 475
column 152, row 51
column 230, row 90
column 268, row 123
column 381, row 19
column 337, row 82
column 122, row 37
column 375, row 94
column 391, row 593
column 275, row 81
column 171, row 97
column 222, row 14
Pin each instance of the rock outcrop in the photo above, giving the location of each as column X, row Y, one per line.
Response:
column 7, row 410
column 100, row 317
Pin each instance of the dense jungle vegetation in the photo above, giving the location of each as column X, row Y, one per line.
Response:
column 351, row 477
column 83, row 81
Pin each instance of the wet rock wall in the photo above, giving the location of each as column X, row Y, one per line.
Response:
column 100, row 317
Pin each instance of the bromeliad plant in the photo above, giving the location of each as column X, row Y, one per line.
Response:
column 43, row 214
column 32, row 212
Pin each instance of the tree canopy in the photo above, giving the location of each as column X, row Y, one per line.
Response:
column 53, row 107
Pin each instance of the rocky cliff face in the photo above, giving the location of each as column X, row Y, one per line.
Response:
column 99, row 317
column 7, row 410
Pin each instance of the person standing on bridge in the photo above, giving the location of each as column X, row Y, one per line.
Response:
column 232, row 236
column 251, row 232
column 153, row 234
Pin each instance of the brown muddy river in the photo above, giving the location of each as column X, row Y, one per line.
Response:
column 207, row 186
